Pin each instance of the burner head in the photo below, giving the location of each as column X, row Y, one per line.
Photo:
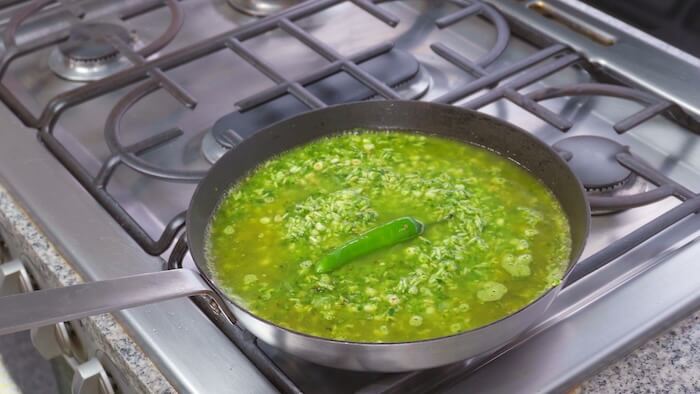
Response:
column 396, row 68
column 593, row 160
column 84, row 44
column 221, row 137
column 214, row 146
column 262, row 7
column 84, row 56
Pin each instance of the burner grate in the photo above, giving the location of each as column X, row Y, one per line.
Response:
column 154, row 72
column 468, row 9
column 13, row 51
column 504, row 83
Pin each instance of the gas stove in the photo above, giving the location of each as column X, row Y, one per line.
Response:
column 136, row 99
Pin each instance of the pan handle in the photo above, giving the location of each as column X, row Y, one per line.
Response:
column 39, row 308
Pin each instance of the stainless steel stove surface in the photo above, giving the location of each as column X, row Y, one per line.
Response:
column 174, row 84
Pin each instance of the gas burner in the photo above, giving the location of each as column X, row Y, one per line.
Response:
column 85, row 56
column 220, row 138
column 262, row 7
column 634, row 185
column 593, row 160
column 398, row 69
column 414, row 88
column 211, row 148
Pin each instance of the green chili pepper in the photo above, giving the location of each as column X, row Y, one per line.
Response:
column 388, row 234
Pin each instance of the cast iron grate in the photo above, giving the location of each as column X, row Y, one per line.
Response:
column 154, row 73
column 501, row 83
column 545, row 62
column 12, row 50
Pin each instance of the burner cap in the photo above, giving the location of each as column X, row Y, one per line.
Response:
column 212, row 147
column 593, row 160
column 262, row 7
column 84, row 44
column 85, row 56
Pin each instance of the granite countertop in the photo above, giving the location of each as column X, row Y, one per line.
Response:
column 669, row 363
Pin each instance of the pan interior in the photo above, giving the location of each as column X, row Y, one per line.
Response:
column 465, row 125
column 510, row 150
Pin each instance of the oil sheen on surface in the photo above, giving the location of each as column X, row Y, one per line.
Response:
column 505, row 243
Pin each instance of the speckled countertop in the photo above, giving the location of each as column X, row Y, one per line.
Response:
column 24, row 239
column 669, row 363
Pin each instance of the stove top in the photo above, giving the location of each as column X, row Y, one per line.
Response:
column 136, row 99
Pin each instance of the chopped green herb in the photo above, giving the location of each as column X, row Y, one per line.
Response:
column 502, row 238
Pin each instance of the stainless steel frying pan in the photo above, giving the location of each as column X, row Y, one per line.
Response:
column 21, row 312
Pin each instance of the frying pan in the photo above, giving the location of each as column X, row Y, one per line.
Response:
column 24, row 311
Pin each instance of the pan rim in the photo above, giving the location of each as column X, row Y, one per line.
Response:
column 573, row 259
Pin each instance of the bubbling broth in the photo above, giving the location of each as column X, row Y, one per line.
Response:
column 494, row 237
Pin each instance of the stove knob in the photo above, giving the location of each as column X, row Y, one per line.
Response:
column 14, row 278
column 52, row 341
column 90, row 378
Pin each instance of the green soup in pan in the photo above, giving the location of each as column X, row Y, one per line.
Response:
column 494, row 238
